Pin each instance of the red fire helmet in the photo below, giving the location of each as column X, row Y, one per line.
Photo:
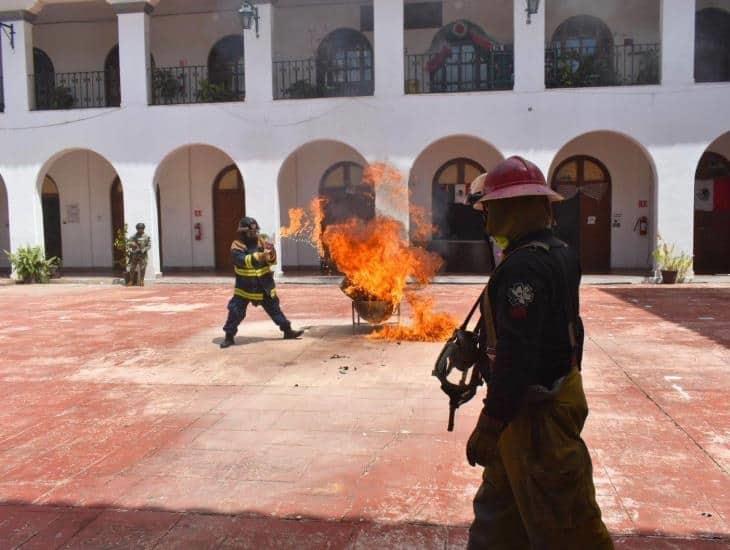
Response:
column 513, row 177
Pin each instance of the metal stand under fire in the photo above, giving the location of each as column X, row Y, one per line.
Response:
column 357, row 319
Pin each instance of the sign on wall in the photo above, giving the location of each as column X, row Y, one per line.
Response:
column 73, row 213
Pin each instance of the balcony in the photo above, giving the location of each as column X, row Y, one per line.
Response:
column 347, row 76
column 81, row 90
column 453, row 71
column 580, row 67
column 198, row 84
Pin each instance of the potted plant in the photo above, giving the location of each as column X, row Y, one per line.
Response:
column 166, row 85
column 673, row 265
column 30, row 264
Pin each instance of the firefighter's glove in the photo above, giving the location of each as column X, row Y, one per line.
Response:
column 270, row 255
column 482, row 444
column 259, row 257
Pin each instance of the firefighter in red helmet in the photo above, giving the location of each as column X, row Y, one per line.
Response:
column 537, row 489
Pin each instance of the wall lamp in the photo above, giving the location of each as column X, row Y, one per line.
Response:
column 9, row 31
column 249, row 15
column 532, row 8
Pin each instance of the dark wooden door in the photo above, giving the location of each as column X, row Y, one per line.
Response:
column 584, row 218
column 595, row 231
column 117, row 208
column 229, row 206
column 112, row 87
column 52, row 225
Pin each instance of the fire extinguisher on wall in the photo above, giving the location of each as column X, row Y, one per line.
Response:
column 642, row 226
column 198, row 230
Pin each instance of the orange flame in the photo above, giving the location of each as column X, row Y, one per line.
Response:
column 427, row 325
column 376, row 258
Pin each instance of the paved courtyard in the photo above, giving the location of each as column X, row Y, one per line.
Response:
column 124, row 426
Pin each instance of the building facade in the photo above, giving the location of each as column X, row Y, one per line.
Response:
column 168, row 113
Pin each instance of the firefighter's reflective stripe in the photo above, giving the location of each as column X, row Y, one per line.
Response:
column 255, row 296
column 242, row 272
column 248, row 261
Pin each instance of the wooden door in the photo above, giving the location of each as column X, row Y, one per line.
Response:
column 51, row 205
column 117, row 209
column 584, row 218
column 712, row 215
column 229, row 206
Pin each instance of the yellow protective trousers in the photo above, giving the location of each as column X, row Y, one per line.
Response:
column 537, row 491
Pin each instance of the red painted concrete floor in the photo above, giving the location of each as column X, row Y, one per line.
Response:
column 124, row 426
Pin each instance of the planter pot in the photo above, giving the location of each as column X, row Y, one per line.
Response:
column 669, row 277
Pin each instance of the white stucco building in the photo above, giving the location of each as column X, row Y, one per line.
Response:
column 166, row 112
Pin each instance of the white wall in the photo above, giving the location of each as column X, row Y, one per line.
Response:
column 299, row 184
column 636, row 19
column 4, row 226
column 439, row 153
column 632, row 180
column 494, row 17
column 76, row 47
column 84, row 178
column 187, row 39
column 186, row 179
column 299, row 29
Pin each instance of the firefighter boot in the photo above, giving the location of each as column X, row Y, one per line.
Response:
column 291, row 334
column 228, row 342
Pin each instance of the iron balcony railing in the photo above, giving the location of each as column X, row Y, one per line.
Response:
column 2, row 95
column 82, row 90
column 350, row 76
column 465, row 71
column 198, row 84
column 626, row 65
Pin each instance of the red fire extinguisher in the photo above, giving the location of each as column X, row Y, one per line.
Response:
column 642, row 226
column 198, row 230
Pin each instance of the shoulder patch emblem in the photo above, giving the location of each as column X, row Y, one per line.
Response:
column 521, row 294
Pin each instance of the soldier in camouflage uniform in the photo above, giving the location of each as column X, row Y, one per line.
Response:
column 138, row 246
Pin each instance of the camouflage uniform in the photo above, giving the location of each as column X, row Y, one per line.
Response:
column 138, row 245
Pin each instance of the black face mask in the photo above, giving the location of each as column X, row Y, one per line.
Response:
column 251, row 241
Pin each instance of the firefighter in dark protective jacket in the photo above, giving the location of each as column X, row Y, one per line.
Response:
column 252, row 261
column 537, row 486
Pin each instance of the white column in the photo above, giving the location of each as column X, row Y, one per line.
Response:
column 529, row 47
column 678, row 42
column 258, row 57
column 25, row 213
column 388, row 49
column 260, row 181
column 140, row 205
column 18, row 64
column 133, row 23
column 674, row 194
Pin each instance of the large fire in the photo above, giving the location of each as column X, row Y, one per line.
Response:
column 377, row 260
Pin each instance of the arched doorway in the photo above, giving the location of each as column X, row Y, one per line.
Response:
column 117, row 210
column 51, row 205
column 229, row 206
column 463, row 58
column 580, row 53
column 712, row 214
column 347, row 197
column 45, row 79
column 345, row 64
column 712, row 45
column 459, row 227
column 112, row 89
column 226, row 69
column 584, row 218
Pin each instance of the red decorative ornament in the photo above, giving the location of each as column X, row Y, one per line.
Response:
column 459, row 29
